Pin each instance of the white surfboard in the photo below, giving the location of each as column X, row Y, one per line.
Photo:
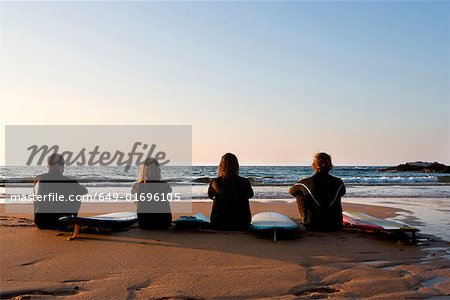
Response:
column 365, row 221
column 273, row 221
column 114, row 221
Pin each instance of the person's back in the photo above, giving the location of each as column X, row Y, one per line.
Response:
column 153, row 207
column 55, row 195
column 230, row 194
column 153, row 214
column 319, row 197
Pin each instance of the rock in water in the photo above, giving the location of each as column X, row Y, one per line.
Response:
column 419, row 166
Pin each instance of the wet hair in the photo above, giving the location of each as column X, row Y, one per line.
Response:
column 229, row 166
column 55, row 159
column 322, row 162
column 149, row 170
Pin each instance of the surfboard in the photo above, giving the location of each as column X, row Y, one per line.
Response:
column 197, row 221
column 365, row 222
column 273, row 222
column 113, row 221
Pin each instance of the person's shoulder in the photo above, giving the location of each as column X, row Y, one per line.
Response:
column 166, row 186
column 136, row 184
column 67, row 179
column 40, row 177
column 141, row 184
column 243, row 179
column 336, row 179
column 215, row 180
column 53, row 177
column 305, row 180
column 163, row 183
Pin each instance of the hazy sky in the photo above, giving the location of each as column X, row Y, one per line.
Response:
column 272, row 82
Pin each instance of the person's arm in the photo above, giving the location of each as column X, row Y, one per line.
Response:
column 343, row 190
column 211, row 190
column 80, row 190
column 301, row 208
column 36, row 188
column 84, row 190
column 250, row 192
column 134, row 188
column 296, row 190
column 167, row 188
column 75, row 207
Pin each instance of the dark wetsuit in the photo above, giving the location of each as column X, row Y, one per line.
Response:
column 153, row 207
column 319, row 201
column 48, row 212
column 231, row 206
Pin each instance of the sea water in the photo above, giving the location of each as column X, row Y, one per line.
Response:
column 269, row 182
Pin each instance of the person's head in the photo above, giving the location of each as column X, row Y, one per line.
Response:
column 322, row 163
column 229, row 166
column 55, row 163
column 150, row 170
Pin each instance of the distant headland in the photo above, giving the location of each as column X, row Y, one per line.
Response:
column 419, row 166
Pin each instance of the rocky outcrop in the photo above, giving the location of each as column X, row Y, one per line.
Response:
column 419, row 166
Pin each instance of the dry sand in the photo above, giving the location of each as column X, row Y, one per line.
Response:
column 139, row 264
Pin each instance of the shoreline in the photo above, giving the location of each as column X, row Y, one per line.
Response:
column 138, row 264
column 430, row 215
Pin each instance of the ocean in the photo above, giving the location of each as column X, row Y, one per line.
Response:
column 269, row 182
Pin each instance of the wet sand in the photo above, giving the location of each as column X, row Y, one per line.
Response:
column 198, row 264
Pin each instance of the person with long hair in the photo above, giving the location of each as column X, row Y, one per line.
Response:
column 319, row 196
column 153, row 207
column 230, row 194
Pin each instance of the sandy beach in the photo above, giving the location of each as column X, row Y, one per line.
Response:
column 125, row 106
column 198, row 264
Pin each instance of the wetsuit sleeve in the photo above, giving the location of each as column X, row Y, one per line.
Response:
column 301, row 208
column 36, row 188
column 343, row 190
column 167, row 189
column 79, row 189
column 250, row 192
column 296, row 190
column 211, row 190
column 134, row 188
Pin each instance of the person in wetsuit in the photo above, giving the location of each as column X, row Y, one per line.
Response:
column 319, row 197
column 52, row 185
column 153, row 194
column 230, row 194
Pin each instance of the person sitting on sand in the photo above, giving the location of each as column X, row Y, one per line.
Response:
column 319, row 196
column 230, row 194
column 153, row 207
column 51, row 186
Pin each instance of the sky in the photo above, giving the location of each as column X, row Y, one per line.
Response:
column 273, row 82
